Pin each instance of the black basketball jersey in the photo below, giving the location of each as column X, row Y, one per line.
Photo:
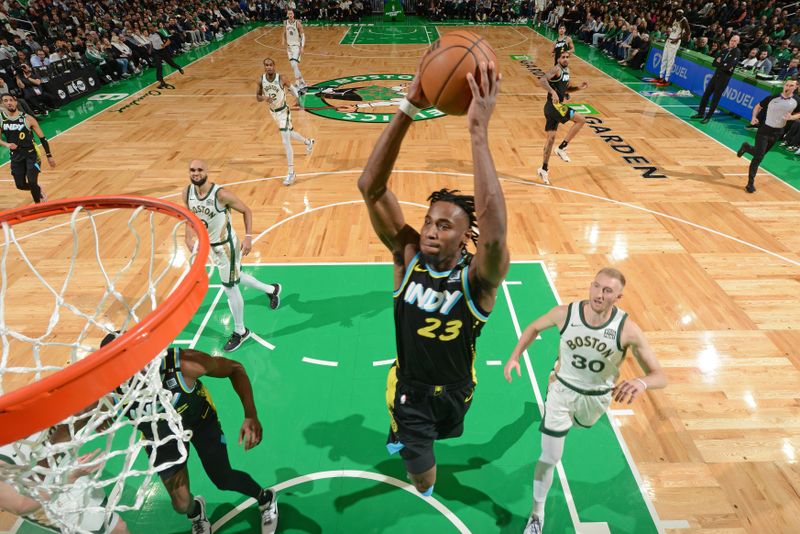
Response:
column 193, row 404
column 558, row 46
column 436, row 324
column 559, row 84
column 16, row 131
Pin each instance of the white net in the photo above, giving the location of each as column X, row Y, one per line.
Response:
column 63, row 289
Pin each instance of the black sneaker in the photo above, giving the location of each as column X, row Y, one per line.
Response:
column 750, row 188
column 275, row 297
column 742, row 149
column 236, row 340
column 697, row 116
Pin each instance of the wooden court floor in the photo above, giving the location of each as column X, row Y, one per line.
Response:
column 714, row 273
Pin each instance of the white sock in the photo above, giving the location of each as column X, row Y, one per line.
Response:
column 287, row 145
column 236, row 304
column 297, row 75
column 297, row 137
column 251, row 281
column 552, row 450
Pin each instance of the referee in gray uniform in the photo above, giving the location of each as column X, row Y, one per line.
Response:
column 725, row 62
column 780, row 108
column 161, row 54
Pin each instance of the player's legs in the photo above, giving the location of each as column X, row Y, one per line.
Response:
column 668, row 59
column 424, row 482
column 212, row 449
column 286, row 137
column 32, row 169
column 19, row 171
column 177, row 486
column 294, row 60
column 578, row 121
column 548, row 149
column 273, row 291
column 552, row 450
column 765, row 140
column 556, row 423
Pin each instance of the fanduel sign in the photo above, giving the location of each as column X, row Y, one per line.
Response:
column 739, row 97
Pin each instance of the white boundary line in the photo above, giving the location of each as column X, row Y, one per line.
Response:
column 348, row 473
column 320, row 362
column 623, row 445
column 202, row 327
column 378, row 363
column 667, row 110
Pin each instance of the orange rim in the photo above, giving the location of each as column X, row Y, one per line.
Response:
column 56, row 397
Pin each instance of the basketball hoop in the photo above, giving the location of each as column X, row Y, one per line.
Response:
column 60, row 376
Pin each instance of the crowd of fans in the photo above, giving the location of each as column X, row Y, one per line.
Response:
column 49, row 38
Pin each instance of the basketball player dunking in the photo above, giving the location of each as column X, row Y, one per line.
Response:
column 443, row 294
column 213, row 204
column 18, row 129
column 272, row 89
column 556, row 81
column 595, row 335
column 294, row 37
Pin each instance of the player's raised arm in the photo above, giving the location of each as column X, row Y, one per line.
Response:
column 555, row 317
column 491, row 259
column 654, row 377
column 384, row 209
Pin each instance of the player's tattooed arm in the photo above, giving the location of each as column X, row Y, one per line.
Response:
column 554, row 71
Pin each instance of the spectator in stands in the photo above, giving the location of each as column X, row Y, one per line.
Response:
column 40, row 59
column 107, row 70
column 112, row 53
column 790, row 70
column 639, row 56
column 31, row 43
column 751, row 60
column 764, row 64
column 34, row 91
column 23, row 104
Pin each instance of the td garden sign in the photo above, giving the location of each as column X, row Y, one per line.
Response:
column 364, row 98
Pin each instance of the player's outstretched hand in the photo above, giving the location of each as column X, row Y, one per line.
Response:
column 628, row 389
column 51, row 161
column 250, row 434
column 484, row 96
column 512, row 363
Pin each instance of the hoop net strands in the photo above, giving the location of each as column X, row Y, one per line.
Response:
column 61, row 396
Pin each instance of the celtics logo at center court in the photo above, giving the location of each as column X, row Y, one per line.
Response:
column 365, row 98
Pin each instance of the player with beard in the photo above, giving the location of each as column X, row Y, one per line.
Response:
column 595, row 336
column 556, row 111
column 213, row 204
column 18, row 129
column 443, row 294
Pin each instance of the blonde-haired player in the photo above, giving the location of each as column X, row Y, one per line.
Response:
column 595, row 335
column 294, row 37
column 272, row 89
column 213, row 204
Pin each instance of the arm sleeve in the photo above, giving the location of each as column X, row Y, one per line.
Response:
column 765, row 102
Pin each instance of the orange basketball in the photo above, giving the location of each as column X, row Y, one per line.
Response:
column 443, row 73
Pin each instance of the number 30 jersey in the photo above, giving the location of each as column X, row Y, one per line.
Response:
column 436, row 324
column 590, row 357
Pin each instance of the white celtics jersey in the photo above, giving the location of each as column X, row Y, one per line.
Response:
column 274, row 89
column 292, row 33
column 676, row 30
column 216, row 218
column 589, row 357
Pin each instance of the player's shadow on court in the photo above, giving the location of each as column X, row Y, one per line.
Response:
column 339, row 311
column 349, row 439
